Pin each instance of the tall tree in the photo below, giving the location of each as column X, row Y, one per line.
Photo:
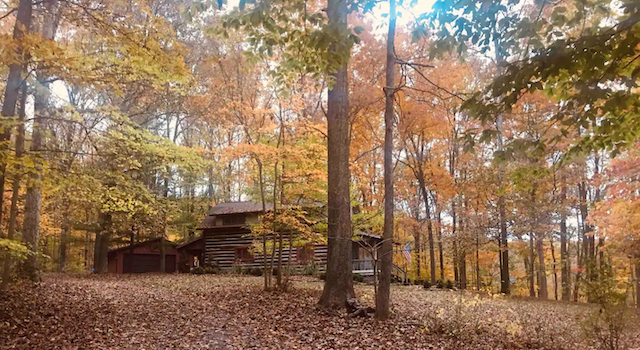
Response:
column 339, row 283
column 386, row 251
column 17, row 76
column 33, row 198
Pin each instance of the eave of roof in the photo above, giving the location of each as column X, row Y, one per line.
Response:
column 139, row 244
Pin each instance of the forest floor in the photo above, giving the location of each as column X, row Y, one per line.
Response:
column 232, row 312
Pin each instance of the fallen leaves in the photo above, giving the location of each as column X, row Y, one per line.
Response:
column 231, row 312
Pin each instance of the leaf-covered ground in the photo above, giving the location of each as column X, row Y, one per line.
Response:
column 227, row 312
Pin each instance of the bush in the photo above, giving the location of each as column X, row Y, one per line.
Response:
column 448, row 284
column 198, row 271
column 237, row 269
column 418, row 282
column 255, row 271
column 310, row 269
column 322, row 276
column 608, row 326
column 439, row 284
column 274, row 271
column 426, row 284
column 212, row 270
column 358, row 277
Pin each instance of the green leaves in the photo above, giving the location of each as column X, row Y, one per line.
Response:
column 14, row 248
column 592, row 74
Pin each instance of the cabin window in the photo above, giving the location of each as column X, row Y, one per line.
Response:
column 305, row 254
column 243, row 255
column 233, row 220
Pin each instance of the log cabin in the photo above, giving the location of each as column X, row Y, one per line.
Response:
column 226, row 242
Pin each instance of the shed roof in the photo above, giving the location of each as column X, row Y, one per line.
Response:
column 139, row 244
column 237, row 208
column 192, row 243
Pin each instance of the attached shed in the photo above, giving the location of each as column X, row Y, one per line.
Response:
column 191, row 254
column 143, row 257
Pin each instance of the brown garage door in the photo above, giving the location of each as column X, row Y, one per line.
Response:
column 147, row 263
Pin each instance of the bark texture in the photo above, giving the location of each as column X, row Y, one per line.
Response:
column 339, row 283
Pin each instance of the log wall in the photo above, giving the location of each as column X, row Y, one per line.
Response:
column 221, row 244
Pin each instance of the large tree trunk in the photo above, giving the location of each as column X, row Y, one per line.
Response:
column 15, row 195
column 386, row 250
column 14, row 81
column 339, row 284
column 33, row 198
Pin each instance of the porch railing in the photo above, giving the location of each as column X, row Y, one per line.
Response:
column 363, row 265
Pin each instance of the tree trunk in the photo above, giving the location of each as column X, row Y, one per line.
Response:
column 555, row 273
column 96, row 248
column 163, row 254
column 432, row 257
column 454, row 237
column 578, row 245
column 505, row 280
column 338, row 286
column 583, row 260
column 638, row 285
column 425, row 197
column 275, row 233
column 17, row 177
column 386, row 250
column 478, row 284
column 33, row 198
column 564, row 252
column 65, row 233
column 542, row 273
column 462, row 253
column 14, row 82
column 264, row 237
column 103, row 238
column 417, row 250
column 132, row 242
column 531, row 265
column 439, row 234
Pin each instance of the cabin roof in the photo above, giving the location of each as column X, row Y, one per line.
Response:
column 371, row 235
column 237, row 208
column 191, row 243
